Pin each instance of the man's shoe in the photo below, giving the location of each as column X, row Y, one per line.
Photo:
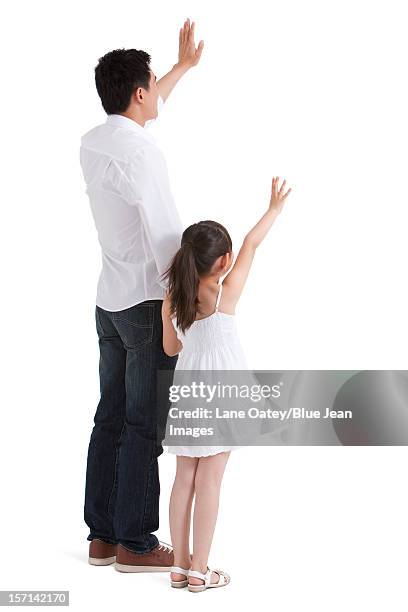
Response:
column 160, row 559
column 101, row 553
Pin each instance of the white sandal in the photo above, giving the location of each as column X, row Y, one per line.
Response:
column 196, row 588
column 179, row 584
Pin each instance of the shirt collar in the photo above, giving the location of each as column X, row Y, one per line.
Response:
column 125, row 122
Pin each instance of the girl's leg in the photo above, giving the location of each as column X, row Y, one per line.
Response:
column 209, row 473
column 180, row 511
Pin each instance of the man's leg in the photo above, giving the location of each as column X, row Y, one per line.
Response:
column 109, row 420
column 138, row 488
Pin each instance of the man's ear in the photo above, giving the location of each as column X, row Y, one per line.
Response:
column 139, row 95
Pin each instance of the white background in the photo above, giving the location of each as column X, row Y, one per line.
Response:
column 311, row 91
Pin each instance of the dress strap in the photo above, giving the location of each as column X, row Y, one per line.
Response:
column 218, row 298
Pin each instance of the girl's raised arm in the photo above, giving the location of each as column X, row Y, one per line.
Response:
column 235, row 280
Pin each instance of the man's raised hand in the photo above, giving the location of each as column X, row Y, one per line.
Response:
column 189, row 55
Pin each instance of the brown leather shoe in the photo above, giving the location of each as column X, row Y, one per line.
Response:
column 101, row 553
column 160, row 559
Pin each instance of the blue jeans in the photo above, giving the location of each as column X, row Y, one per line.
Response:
column 122, row 480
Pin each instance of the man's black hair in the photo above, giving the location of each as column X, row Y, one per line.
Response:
column 118, row 74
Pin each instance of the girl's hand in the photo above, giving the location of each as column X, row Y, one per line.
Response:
column 278, row 197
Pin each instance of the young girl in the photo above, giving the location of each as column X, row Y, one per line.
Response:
column 204, row 319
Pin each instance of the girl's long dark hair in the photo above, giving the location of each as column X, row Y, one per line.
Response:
column 201, row 245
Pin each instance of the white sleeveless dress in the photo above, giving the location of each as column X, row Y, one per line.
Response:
column 210, row 343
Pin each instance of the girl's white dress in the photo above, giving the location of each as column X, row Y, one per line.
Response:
column 210, row 343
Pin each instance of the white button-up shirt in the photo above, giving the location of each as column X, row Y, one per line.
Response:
column 138, row 225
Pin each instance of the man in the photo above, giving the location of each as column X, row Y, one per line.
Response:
column 139, row 231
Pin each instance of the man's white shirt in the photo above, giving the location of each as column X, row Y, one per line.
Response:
column 138, row 225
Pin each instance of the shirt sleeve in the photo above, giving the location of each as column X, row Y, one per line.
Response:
column 146, row 185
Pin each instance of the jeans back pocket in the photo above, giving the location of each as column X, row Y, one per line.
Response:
column 135, row 325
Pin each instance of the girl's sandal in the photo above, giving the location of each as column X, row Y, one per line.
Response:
column 179, row 584
column 196, row 588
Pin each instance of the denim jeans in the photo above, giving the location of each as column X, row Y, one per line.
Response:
column 122, row 480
